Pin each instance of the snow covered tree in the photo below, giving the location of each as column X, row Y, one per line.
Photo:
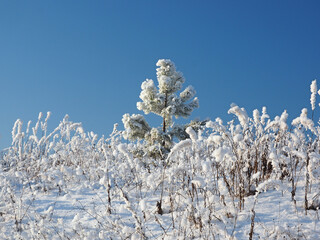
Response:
column 164, row 101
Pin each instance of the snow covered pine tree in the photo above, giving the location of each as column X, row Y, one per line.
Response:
column 163, row 101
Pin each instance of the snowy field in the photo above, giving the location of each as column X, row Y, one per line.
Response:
column 222, row 183
column 251, row 178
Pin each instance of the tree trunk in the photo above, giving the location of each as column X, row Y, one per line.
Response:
column 164, row 125
column 306, row 186
column 164, row 117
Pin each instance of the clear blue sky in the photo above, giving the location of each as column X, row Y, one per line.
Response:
column 89, row 58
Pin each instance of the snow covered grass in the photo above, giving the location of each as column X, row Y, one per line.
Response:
column 252, row 178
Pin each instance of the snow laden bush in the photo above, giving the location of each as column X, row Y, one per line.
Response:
column 254, row 177
column 165, row 102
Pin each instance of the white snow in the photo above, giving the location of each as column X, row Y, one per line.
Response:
column 70, row 184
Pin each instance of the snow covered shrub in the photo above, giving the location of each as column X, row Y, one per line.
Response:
column 247, row 178
column 252, row 151
column 165, row 102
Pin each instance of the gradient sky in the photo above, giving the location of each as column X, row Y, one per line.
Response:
column 88, row 59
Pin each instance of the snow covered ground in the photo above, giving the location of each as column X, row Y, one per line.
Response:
column 80, row 210
column 235, row 181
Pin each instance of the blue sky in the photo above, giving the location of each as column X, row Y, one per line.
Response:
column 88, row 59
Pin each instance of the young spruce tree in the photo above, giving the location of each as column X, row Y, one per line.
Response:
column 164, row 101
